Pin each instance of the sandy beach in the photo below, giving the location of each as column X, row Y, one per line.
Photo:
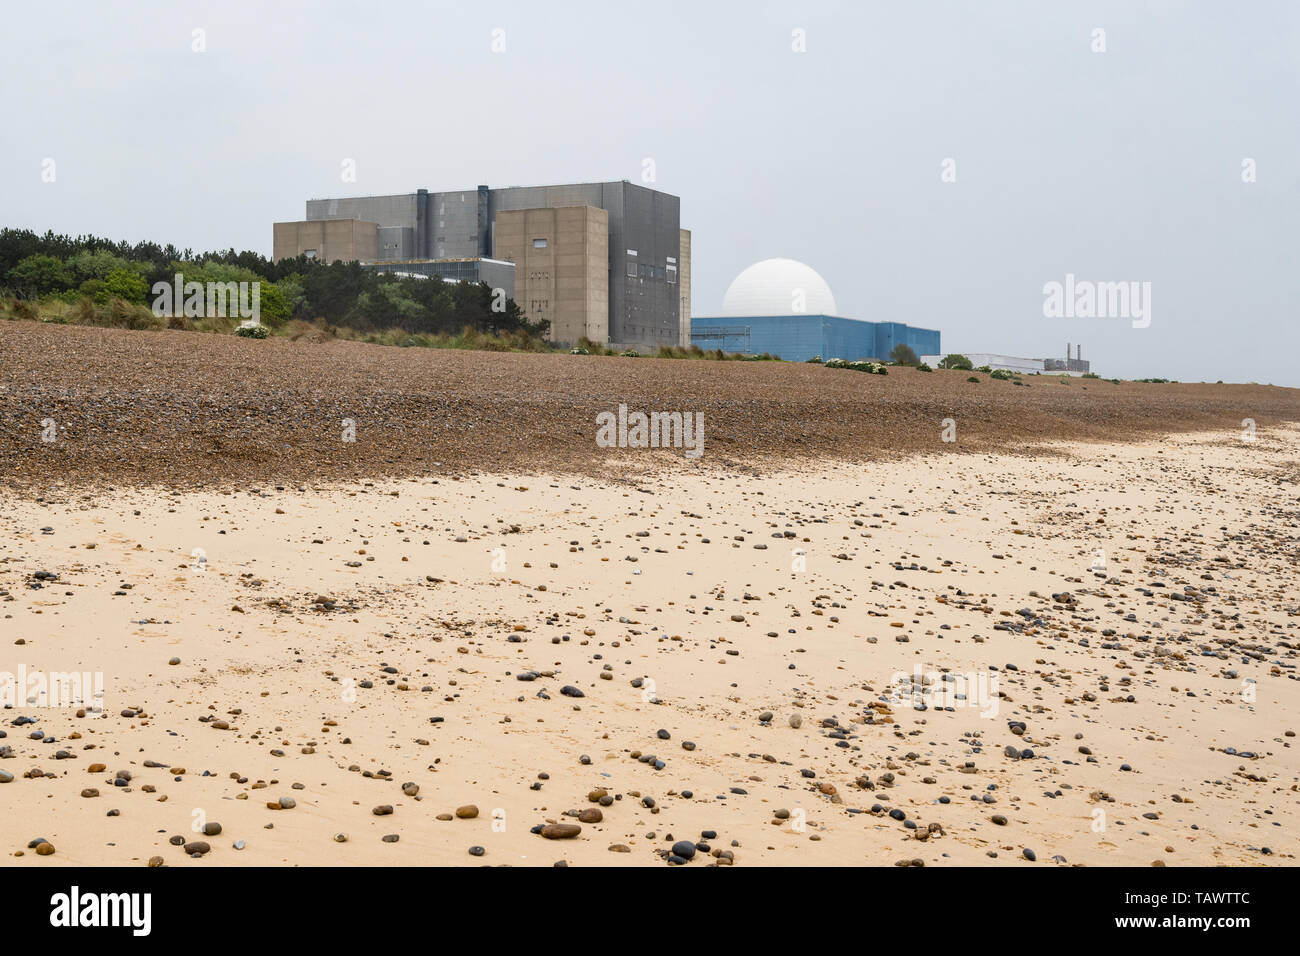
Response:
column 658, row 650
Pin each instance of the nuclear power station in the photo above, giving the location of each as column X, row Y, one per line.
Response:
column 606, row 261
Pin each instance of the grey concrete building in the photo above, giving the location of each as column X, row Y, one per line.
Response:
column 561, row 257
column 345, row 240
column 647, row 252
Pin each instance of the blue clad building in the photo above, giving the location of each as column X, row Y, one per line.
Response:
column 781, row 307
column 797, row 338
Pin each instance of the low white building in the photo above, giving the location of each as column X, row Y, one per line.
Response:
column 1023, row 366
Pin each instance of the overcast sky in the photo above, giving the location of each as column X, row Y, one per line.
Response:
column 1122, row 165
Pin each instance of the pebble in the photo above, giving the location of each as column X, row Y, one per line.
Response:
column 560, row 831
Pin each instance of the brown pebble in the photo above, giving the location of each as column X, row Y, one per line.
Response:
column 560, row 831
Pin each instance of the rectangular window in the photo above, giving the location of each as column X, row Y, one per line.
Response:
column 631, row 268
column 539, row 243
column 309, row 253
column 672, row 272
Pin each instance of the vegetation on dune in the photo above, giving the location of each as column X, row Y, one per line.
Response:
column 93, row 281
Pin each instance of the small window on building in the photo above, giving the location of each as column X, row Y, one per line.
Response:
column 309, row 253
column 672, row 273
column 539, row 243
column 631, row 268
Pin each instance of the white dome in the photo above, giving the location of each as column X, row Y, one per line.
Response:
column 778, row 287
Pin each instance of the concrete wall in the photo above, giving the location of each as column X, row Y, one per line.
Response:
column 646, row 306
column 561, row 256
column 684, row 285
column 498, row 275
column 347, row 240
column 454, row 227
column 396, row 243
column 399, row 210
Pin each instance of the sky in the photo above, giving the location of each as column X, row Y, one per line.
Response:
column 939, row 163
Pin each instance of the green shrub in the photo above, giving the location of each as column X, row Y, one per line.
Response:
column 579, row 351
column 816, row 360
column 903, row 354
column 986, row 369
column 924, row 368
column 956, row 361
column 39, row 274
column 126, row 285
column 252, row 331
column 1002, row 374
column 973, row 379
column 95, row 289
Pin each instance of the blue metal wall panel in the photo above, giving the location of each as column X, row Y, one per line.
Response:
column 797, row 338
column 848, row 339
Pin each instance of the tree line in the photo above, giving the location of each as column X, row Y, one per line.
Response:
column 36, row 267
